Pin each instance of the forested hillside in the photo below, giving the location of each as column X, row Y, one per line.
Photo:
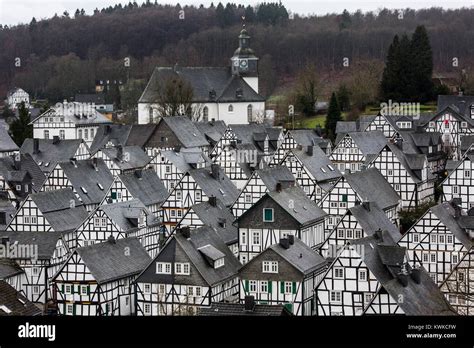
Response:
column 57, row 57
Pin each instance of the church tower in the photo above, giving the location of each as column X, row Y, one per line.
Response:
column 244, row 62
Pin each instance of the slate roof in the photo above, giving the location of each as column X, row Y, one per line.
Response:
column 308, row 137
column 82, row 174
column 139, row 134
column 364, row 182
column 45, row 241
column 96, row 98
column 10, row 172
column 371, row 218
column 413, row 163
column 447, row 213
column 222, row 187
column 461, row 103
column 212, row 130
column 107, row 261
column 186, row 131
column 185, row 159
column 369, row 143
column 49, row 201
column 116, row 134
column 385, row 259
column 71, row 114
column 238, row 309
column 7, row 207
column 304, row 210
column 146, row 186
column 271, row 176
column 300, row 256
column 6, row 142
column 203, row 80
column 313, row 163
column 199, row 238
column 13, row 303
column 9, row 268
column 220, row 218
column 136, row 158
column 466, row 142
column 120, row 212
column 50, row 153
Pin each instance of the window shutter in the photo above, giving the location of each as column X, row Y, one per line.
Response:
column 344, row 198
column 73, row 309
column 62, row 288
column 88, row 289
column 72, row 289
column 293, row 287
column 282, row 287
column 270, row 286
column 246, row 286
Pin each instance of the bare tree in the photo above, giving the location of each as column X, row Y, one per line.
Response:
column 175, row 98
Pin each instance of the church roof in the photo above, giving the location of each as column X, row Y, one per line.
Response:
column 203, row 80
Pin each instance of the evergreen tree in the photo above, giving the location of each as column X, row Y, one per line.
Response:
column 422, row 64
column 405, row 81
column 20, row 129
column 391, row 72
column 343, row 97
column 345, row 20
column 334, row 115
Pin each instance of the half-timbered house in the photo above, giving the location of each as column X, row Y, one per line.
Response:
column 439, row 239
column 249, row 308
column 460, row 182
column 143, row 185
column 123, row 159
column 284, row 273
column 48, row 153
column 354, row 188
column 262, row 181
column 356, row 149
column 198, row 185
column 96, row 280
column 89, row 179
column 276, row 215
column 194, row 269
column 7, row 145
column 313, row 170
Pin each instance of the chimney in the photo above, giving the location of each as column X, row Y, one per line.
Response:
column 36, row 149
column 456, row 204
column 378, row 235
column 95, row 164
column 399, row 142
column 74, row 162
column 185, row 232
column 16, row 162
column 213, row 201
column 291, row 239
column 213, row 120
column 106, row 129
column 215, row 171
column 366, row 205
column 402, row 279
column 278, row 187
column 111, row 240
column 221, row 222
column 177, row 148
column 56, row 140
column 119, row 152
column 139, row 174
column 3, row 219
column 309, row 150
column 285, row 243
column 249, row 303
column 416, row 276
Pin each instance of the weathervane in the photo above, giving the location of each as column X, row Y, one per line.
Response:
column 243, row 22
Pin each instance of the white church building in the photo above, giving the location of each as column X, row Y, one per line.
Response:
column 226, row 94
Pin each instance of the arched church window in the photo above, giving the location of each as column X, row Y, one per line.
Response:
column 205, row 114
column 231, row 108
column 249, row 112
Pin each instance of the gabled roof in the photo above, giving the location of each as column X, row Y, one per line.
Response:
column 13, row 303
column 238, row 309
column 213, row 130
column 127, row 157
column 317, row 163
column 139, row 134
column 6, row 142
column 369, row 143
column 451, row 216
column 90, row 98
column 107, row 261
column 461, row 103
column 186, row 158
column 300, row 256
column 186, row 131
column 45, row 241
column 308, row 137
column 303, row 209
column 116, row 134
column 71, row 111
column 218, row 217
column 120, row 213
column 370, row 185
column 371, row 218
column 146, row 186
column 221, row 187
column 9, row 268
column 413, row 163
column 12, row 171
column 272, row 176
column 203, row 80
column 50, row 153
column 90, row 181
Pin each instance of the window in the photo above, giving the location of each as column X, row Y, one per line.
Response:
column 230, row 108
column 434, row 239
column 248, row 198
column 46, row 134
column 92, row 133
column 338, row 272
column 467, row 173
column 147, row 308
column 358, row 234
column 167, row 169
column 219, row 263
column 181, row 268
column 79, row 133
column 362, row 275
column 163, row 268
column 268, row 215
column 243, row 238
column 270, row 266
column 455, row 190
column 288, row 288
column 84, row 290
column 340, row 233
column 335, row 296
column 249, row 112
column 441, row 239
column 299, row 174
column 198, row 195
column 147, row 288
column 179, row 195
column 454, row 258
column 35, row 271
column 69, row 309
column 433, row 257
column 253, row 286
column 180, row 213
column 449, row 239
column 18, row 187
column 36, row 290
column 256, row 237
column 205, row 114
column 350, row 234
column 62, row 135
column 416, row 238
column 190, row 291
column 461, row 277
column 161, row 288
column 264, row 286
column 100, row 222
column 464, row 124
column 68, row 289
column 390, row 172
column 173, row 213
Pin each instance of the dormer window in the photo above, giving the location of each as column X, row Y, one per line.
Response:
column 463, row 124
column 219, row 263
column 230, row 108
column 404, row 125
column 142, row 219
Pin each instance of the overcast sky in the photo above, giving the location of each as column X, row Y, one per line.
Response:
column 21, row 11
